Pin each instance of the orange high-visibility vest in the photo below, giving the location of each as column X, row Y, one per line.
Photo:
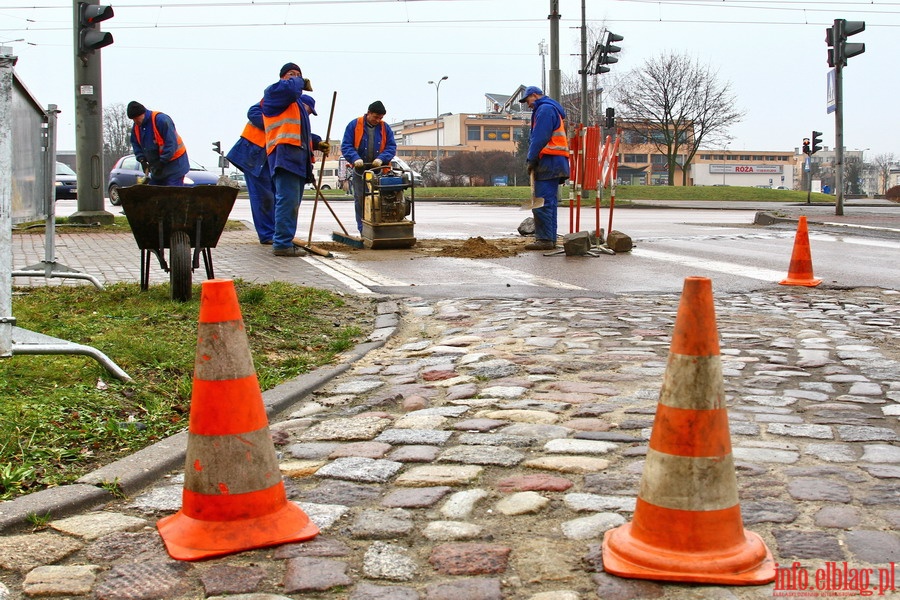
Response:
column 285, row 128
column 360, row 130
column 558, row 143
column 254, row 135
column 179, row 150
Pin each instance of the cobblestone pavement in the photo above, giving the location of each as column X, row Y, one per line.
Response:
column 483, row 450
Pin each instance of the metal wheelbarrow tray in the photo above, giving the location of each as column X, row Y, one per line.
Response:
column 178, row 219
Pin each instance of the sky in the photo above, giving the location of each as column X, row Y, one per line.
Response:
column 204, row 62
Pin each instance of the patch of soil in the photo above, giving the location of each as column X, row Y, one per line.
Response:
column 475, row 247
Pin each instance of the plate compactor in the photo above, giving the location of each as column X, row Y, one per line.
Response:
column 388, row 215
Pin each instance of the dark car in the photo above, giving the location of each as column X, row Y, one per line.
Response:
column 66, row 182
column 127, row 171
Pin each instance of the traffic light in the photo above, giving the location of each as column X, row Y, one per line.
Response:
column 829, row 39
column 217, row 147
column 89, row 37
column 839, row 50
column 805, row 145
column 605, row 50
column 816, row 142
column 610, row 118
column 848, row 28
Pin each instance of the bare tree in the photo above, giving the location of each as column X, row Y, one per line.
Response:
column 883, row 164
column 680, row 104
column 116, row 133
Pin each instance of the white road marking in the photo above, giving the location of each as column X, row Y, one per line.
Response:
column 713, row 265
column 346, row 270
column 523, row 277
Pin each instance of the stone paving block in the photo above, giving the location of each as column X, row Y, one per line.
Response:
column 314, row 575
column 414, row 454
column 320, row 546
column 415, row 497
column 427, row 437
column 389, row 561
column 342, row 492
column 372, row 450
column 360, row 469
column 451, row 530
column 438, row 475
column 610, row 587
column 564, row 446
column 472, row 588
column 522, row 503
column 346, row 429
column 596, row 503
column 146, row 581
column 808, row 544
column 568, row 464
column 94, row 525
column 26, row 551
column 231, row 579
column 537, row 482
column 74, row 580
column 467, row 558
column 323, row 515
column 138, row 546
column 586, row 528
column 482, row 455
column 370, row 591
column 382, row 524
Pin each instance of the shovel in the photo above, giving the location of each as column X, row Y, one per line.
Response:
column 532, row 202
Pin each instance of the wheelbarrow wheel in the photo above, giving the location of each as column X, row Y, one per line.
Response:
column 180, row 266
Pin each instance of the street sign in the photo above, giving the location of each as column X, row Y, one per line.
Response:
column 830, row 97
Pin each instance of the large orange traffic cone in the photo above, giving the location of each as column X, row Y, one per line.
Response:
column 687, row 522
column 233, row 497
column 801, row 270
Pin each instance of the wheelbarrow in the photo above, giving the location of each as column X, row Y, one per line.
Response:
column 178, row 219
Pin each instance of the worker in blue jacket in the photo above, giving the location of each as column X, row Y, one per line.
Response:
column 547, row 162
column 368, row 143
column 290, row 144
column 157, row 146
column 249, row 155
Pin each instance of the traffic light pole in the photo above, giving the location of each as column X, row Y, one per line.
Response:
column 555, row 74
column 88, row 134
column 839, row 139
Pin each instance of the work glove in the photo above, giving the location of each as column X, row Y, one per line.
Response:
column 376, row 163
column 358, row 163
column 531, row 166
column 145, row 166
column 324, row 146
column 307, row 85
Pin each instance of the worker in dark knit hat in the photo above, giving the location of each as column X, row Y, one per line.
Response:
column 157, row 145
column 368, row 143
column 290, row 144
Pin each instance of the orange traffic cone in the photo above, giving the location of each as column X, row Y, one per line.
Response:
column 687, row 522
column 801, row 270
column 233, row 497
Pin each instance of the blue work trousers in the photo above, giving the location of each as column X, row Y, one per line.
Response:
column 262, row 204
column 288, row 194
column 358, row 187
column 545, row 216
column 169, row 180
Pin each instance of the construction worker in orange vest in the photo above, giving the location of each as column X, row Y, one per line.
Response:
column 368, row 143
column 290, row 144
column 157, row 146
column 547, row 162
column 249, row 155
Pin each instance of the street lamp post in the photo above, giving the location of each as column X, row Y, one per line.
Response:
column 437, row 128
